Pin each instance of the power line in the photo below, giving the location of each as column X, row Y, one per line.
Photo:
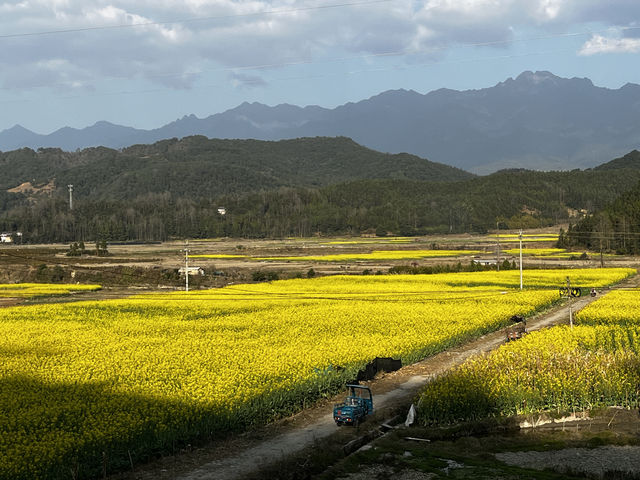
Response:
column 194, row 19
column 302, row 9
column 263, row 66
column 288, row 78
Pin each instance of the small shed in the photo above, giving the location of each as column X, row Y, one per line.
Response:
column 192, row 271
column 485, row 261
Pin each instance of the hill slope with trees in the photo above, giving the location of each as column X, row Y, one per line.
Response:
column 616, row 227
column 172, row 189
column 201, row 168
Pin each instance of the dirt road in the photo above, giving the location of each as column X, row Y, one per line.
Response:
column 241, row 456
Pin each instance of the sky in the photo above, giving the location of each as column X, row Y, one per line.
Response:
column 146, row 63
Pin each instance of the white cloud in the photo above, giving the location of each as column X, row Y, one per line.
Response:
column 166, row 41
column 549, row 9
column 599, row 44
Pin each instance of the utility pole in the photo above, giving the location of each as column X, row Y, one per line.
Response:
column 70, row 196
column 498, row 246
column 570, row 305
column 601, row 257
column 520, row 237
column 186, row 266
column 601, row 240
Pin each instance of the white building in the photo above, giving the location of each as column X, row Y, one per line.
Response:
column 485, row 261
column 6, row 238
column 192, row 271
column 222, row 210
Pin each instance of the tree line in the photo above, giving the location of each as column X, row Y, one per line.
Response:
column 303, row 187
column 519, row 199
column 615, row 228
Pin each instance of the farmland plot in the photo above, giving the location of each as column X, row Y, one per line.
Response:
column 93, row 386
column 560, row 369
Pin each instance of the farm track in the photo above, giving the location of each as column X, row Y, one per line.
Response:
column 248, row 453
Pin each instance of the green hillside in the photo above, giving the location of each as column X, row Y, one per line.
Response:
column 172, row 189
column 517, row 199
column 201, row 168
column 630, row 160
column 615, row 228
column 615, row 225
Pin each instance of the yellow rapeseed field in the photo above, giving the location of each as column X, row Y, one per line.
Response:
column 94, row 385
column 27, row 290
column 594, row 364
column 544, row 252
column 360, row 241
column 529, row 237
column 376, row 255
column 620, row 307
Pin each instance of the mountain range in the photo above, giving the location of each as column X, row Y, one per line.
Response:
column 537, row 121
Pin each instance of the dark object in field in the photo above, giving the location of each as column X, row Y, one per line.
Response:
column 379, row 364
column 518, row 330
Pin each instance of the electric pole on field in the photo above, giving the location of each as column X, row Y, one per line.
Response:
column 601, row 258
column 186, row 266
column 570, row 306
column 70, row 196
column 520, row 237
column 498, row 246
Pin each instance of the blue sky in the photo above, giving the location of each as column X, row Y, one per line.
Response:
column 149, row 62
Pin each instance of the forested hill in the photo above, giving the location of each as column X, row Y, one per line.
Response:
column 515, row 198
column 172, row 189
column 616, row 227
column 630, row 160
column 196, row 167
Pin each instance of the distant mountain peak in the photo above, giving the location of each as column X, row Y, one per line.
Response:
column 104, row 123
column 536, row 77
column 18, row 128
column 398, row 93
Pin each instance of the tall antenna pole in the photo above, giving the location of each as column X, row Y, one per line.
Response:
column 70, row 196
column 186, row 266
column 520, row 236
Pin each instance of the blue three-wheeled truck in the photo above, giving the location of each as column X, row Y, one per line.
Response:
column 357, row 405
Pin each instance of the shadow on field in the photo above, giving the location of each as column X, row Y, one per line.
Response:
column 84, row 430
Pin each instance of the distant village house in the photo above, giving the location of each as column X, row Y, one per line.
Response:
column 222, row 210
column 485, row 261
column 192, row 271
column 6, row 238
